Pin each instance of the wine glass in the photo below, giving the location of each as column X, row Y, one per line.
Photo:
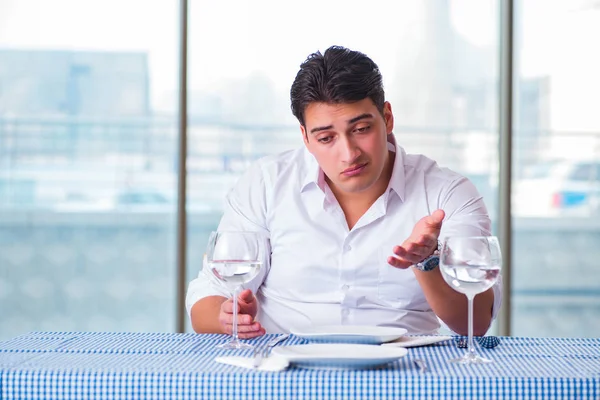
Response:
column 471, row 265
column 234, row 258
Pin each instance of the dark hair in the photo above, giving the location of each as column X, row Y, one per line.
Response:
column 339, row 76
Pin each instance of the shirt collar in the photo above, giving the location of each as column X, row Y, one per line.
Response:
column 313, row 174
column 398, row 179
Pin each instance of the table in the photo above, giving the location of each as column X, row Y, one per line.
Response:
column 97, row 365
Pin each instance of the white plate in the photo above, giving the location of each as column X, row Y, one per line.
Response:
column 415, row 341
column 339, row 355
column 359, row 334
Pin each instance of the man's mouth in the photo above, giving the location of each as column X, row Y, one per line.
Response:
column 355, row 170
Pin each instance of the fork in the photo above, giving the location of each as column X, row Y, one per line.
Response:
column 261, row 353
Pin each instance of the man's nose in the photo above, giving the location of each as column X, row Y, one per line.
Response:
column 350, row 151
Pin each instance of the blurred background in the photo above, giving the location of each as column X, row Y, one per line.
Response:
column 89, row 139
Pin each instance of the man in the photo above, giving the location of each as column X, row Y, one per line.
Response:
column 353, row 221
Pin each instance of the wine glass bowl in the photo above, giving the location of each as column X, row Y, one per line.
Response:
column 233, row 259
column 470, row 265
column 234, row 273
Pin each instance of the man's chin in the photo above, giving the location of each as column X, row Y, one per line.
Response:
column 356, row 187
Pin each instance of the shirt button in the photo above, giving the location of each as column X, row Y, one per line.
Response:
column 347, row 247
column 345, row 288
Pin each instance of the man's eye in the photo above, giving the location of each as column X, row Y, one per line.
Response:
column 325, row 139
column 362, row 129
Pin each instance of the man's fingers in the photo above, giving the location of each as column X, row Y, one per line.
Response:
column 243, row 327
column 246, row 296
column 243, row 319
column 413, row 253
column 228, row 329
column 427, row 240
column 227, row 307
column 412, row 248
column 421, row 243
column 399, row 262
column 247, row 327
column 255, row 327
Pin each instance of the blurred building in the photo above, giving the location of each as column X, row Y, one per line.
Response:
column 73, row 83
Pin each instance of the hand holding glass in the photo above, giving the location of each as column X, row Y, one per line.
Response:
column 234, row 258
column 470, row 265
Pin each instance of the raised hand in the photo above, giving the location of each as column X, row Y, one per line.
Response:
column 421, row 243
column 247, row 309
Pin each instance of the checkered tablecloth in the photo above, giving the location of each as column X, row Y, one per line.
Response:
column 91, row 365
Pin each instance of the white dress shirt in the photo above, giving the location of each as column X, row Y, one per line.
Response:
column 320, row 272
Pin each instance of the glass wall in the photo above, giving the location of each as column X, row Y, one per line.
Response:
column 556, row 178
column 87, row 165
column 88, row 139
column 438, row 58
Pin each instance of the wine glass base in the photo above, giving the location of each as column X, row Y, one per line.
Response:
column 235, row 345
column 470, row 359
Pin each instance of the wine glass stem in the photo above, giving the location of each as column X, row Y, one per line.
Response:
column 470, row 298
column 234, row 332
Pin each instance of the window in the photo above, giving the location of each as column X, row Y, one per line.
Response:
column 556, row 280
column 438, row 59
column 88, row 140
column 87, row 163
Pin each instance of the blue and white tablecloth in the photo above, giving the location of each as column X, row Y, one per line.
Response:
column 92, row 365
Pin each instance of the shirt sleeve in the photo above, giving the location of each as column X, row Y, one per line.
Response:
column 244, row 210
column 467, row 215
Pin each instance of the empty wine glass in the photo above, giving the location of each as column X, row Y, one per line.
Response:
column 470, row 265
column 234, row 258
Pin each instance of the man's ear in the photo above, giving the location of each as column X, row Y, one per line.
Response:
column 391, row 138
column 304, row 134
column 388, row 117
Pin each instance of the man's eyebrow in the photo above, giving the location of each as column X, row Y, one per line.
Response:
column 361, row 116
column 320, row 128
column 350, row 121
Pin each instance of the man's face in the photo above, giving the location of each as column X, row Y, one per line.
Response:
column 349, row 141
